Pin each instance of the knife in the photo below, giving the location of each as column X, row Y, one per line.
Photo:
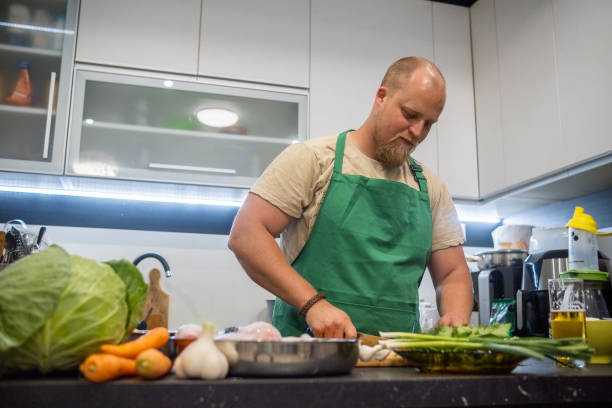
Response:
column 368, row 339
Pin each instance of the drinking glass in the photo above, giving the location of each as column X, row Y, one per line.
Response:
column 567, row 309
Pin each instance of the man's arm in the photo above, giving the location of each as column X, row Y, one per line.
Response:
column 453, row 283
column 252, row 240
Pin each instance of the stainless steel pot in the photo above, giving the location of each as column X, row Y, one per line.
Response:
column 500, row 257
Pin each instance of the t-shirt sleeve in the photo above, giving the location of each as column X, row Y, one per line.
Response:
column 447, row 231
column 288, row 182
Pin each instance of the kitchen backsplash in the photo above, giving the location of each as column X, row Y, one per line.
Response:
column 208, row 283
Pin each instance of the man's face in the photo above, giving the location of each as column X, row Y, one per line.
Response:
column 405, row 116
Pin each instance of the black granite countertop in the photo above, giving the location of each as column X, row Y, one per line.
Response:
column 534, row 383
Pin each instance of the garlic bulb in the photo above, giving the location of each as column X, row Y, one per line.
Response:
column 202, row 358
column 367, row 352
column 380, row 355
column 228, row 348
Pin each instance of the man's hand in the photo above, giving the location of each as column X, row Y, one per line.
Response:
column 453, row 283
column 452, row 319
column 326, row 320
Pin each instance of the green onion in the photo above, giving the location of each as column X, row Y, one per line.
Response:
column 488, row 338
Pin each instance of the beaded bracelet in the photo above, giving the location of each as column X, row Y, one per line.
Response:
column 311, row 303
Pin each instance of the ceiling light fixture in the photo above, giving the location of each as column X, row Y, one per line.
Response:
column 217, row 117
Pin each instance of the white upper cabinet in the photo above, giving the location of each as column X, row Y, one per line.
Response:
column 457, row 158
column 157, row 35
column 255, row 40
column 584, row 58
column 352, row 44
column 533, row 142
column 35, row 77
column 491, row 167
column 542, row 84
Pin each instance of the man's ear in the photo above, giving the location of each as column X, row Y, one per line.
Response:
column 381, row 94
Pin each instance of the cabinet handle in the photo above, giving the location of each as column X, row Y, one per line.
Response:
column 190, row 168
column 49, row 114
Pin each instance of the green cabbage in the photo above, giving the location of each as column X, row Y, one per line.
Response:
column 56, row 309
column 136, row 291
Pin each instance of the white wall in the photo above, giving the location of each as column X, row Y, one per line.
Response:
column 208, row 282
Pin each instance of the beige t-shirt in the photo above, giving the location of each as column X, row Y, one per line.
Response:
column 296, row 182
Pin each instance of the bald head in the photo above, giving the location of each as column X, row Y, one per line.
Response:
column 403, row 69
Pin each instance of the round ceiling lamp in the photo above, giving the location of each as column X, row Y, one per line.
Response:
column 217, row 117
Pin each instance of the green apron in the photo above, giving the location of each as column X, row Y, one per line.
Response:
column 367, row 251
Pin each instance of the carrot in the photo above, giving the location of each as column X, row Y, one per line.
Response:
column 156, row 338
column 152, row 363
column 104, row 367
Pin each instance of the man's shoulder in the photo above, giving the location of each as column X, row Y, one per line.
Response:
column 435, row 184
column 322, row 143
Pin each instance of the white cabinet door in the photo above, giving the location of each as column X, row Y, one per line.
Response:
column 35, row 81
column 256, row 40
column 157, row 35
column 134, row 125
column 491, row 163
column 457, row 159
column 533, row 143
column 352, row 44
column 584, row 58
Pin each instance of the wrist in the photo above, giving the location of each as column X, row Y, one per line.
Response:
column 311, row 302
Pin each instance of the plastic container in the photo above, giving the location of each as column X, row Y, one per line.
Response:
column 428, row 315
column 58, row 38
column 582, row 242
column 599, row 332
column 511, row 236
column 18, row 15
column 548, row 239
column 40, row 38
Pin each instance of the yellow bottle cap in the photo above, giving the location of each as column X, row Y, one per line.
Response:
column 582, row 221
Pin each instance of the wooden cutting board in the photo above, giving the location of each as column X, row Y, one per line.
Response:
column 158, row 300
column 392, row 360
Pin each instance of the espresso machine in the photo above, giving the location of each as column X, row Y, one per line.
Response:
column 532, row 298
column 532, row 318
column 495, row 284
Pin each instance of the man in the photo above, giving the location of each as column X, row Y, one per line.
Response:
column 360, row 221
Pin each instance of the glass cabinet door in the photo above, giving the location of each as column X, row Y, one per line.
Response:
column 158, row 129
column 36, row 52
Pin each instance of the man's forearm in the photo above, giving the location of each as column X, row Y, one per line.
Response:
column 263, row 261
column 455, row 294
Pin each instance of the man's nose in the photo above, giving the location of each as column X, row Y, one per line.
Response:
column 417, row 128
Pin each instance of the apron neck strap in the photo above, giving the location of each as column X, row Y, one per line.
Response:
column 417, row 171
column 339, row 155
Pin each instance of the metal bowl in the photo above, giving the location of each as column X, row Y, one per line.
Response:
column 289, row 359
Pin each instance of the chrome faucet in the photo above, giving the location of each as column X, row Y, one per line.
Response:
column 160, row 258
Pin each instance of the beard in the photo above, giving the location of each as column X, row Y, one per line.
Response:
column 392, row 153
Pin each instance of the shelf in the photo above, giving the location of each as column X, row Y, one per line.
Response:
column 30, row 50
column 178, row 132
column 26, row 110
